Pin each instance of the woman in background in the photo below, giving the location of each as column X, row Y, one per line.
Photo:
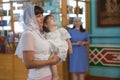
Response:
column 79, row 57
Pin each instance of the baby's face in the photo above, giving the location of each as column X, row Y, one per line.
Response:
column 51, row 21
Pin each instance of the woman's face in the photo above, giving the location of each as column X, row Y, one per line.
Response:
column 39, row 19
column 77, row 23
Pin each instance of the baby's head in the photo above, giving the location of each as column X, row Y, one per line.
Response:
column 49, row 22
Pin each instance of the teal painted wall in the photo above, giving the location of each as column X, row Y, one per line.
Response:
column 54, row 7
column 100, row 35
column 105, row 72
column 105, row 35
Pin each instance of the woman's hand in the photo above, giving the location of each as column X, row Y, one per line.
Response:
column 81, row 43
column 54, row 59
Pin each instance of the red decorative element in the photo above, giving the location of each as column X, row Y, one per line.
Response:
column 110, row 58
column 106, row 56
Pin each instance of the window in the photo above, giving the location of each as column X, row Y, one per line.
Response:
column 71, row 6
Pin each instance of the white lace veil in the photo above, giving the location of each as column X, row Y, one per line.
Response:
column 28, row 21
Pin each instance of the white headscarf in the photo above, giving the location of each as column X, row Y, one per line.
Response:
column 28, row 21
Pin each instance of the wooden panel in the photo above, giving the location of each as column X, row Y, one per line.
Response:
column 12, row 68
column 19, row 69
column 64, row 67
column 6, row 67
column 88, row 16
column 60, row 71
column 64, row 14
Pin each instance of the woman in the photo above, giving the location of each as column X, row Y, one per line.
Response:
column 79, row 57
column 33, row 48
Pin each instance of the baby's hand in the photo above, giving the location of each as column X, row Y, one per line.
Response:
column 70, row 51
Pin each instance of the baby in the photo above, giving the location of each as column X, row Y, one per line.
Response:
column 59, row 39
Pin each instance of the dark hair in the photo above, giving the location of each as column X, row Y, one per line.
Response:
column 38, row 10
column 81, row 28
column 45, row 22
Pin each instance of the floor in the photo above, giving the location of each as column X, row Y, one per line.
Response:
column 100, row 78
